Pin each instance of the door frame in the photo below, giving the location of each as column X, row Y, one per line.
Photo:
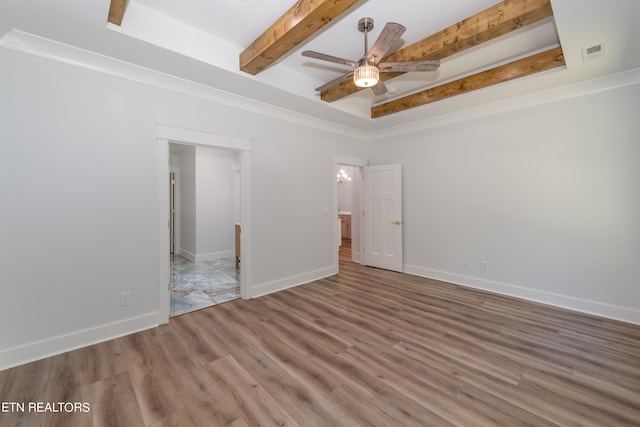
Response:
column 172, row 212
column 347, row 161
column 165, row 135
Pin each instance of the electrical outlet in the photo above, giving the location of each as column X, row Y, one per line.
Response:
column 484, row 266
column 465, row 262
column 124, row 298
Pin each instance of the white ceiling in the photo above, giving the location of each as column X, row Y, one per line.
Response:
column 200, row 41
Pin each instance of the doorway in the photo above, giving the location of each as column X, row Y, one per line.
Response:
column 170, row 134
column 348, row 200
column 204, row 214
column 376, row 228
column 349, row 197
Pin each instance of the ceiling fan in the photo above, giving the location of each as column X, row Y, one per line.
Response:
column 366, row 72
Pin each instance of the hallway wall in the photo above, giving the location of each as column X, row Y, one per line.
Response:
column 215, row 202
column 187, row 195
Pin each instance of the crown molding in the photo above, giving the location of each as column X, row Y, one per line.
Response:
column 555, row 94
column 31, row 44
column 45, row 48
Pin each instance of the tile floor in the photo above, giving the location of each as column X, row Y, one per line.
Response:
column 196, row 285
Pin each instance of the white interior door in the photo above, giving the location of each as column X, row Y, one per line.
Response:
column 383, row 217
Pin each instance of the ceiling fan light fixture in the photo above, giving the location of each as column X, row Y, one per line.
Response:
column 366, row 75
column 366, row 71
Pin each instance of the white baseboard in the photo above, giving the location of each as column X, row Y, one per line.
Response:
column 188, row 255
column 291, row 281
column 51, row 346
column 573, row 303
column 211, row 256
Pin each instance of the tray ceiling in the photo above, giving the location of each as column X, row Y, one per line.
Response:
column 201, row 41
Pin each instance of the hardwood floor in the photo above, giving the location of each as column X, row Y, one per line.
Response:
column 365, row 347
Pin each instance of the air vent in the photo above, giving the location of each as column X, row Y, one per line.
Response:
column 592, row 52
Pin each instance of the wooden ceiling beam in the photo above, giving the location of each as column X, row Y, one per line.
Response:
column 491, row 23
column 547, row 60
column 301, row 21
column 116, row 11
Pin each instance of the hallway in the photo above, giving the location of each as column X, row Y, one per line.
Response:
column 344, row 251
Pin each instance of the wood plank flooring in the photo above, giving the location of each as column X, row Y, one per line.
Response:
column 365, row 347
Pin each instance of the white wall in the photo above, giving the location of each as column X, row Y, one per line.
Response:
column 209, row 201
column 549, row 196
column 80, row 201
column 5, row 25
column 346, row 190
column 174, row 167
column 215, row 202
column 188, row 197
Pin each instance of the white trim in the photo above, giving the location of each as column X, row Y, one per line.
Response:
column 188, row 255
column 350, row 160
column 42, row 47
column 292, row 281
column 38, row 350
column 164, row 301
column 166, row 134
column 543, row 97
column 246, row 278
column 211, row 256
column 45, row 48
column 578, row 304
column 190, row 136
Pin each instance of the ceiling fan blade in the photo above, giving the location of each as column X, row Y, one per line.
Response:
column 379, row 89
column 405, row 67
column 335, row 82
column 387, row 38
column 324, row 57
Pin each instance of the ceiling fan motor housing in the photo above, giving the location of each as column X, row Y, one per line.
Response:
column 365, row 24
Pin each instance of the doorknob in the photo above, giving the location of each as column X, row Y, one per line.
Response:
column 396, row 222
